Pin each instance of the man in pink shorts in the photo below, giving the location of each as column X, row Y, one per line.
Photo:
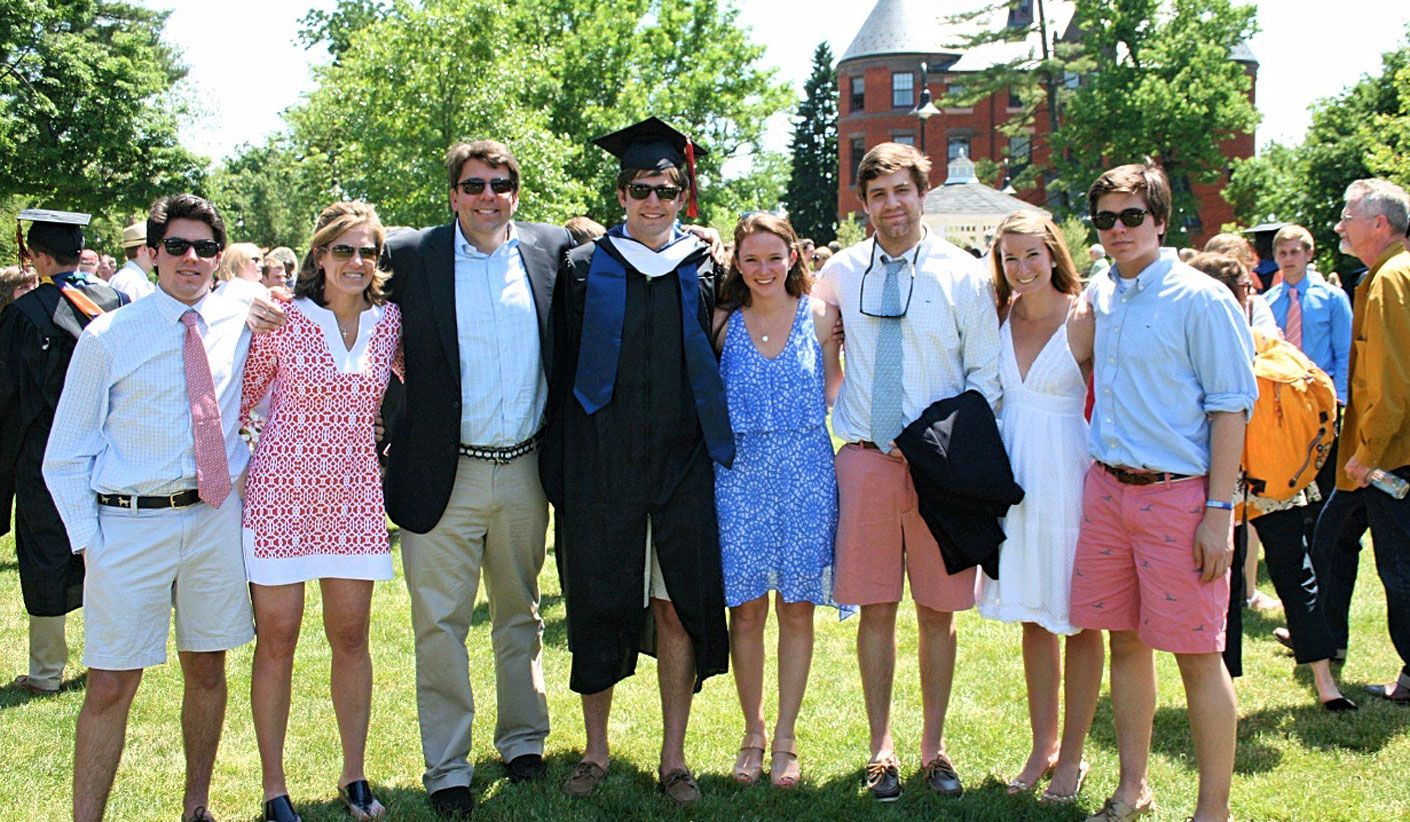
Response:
column 921, row 327
column 1174, row 386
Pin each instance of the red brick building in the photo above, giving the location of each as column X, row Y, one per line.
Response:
column 879, row 82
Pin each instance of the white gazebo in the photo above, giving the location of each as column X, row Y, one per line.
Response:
column 965, row 211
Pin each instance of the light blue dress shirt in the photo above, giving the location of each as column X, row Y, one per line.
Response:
column 1326, row 324
column 1171, row 348
column 123, row 424
column 503, row 390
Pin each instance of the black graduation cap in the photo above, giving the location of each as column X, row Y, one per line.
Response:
column 57, row 231
column 652, row 145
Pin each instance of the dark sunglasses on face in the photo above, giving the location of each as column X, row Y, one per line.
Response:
column 1130, row 217
column 665, row 191
column 176, row 247
column 341, row 252
column 474, row 185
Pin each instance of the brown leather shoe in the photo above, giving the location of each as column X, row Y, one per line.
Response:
column 584, row 780
column 680, row 786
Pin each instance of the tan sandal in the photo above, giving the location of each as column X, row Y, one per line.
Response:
column 747, row 769
column 785, row 751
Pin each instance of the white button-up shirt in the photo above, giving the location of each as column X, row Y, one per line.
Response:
column 503, row 390
column 123, row 425
column 949, row 334
column 132, row 281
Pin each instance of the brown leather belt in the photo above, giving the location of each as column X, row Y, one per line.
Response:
column 1126, row 476
column 867, row 444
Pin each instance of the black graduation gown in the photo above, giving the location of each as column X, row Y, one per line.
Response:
column 643, row 454
column 38, row 333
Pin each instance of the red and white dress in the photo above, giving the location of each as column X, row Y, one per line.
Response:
column 313, row 497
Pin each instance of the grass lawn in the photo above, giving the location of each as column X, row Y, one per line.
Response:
column 1295, row 761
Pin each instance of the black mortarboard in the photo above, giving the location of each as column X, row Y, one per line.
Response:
column 652, row 145
column 60, row 232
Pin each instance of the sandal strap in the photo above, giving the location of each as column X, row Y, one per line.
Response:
column 785, row 745
column 754, row 742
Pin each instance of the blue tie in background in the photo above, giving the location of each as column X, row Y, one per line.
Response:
column 886, row 422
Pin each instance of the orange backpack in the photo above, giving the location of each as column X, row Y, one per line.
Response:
column 1293, row 423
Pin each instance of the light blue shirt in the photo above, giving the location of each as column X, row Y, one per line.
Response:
column 1171, row 348
column 503, row 390
column 123, row 424
column 1326, row 324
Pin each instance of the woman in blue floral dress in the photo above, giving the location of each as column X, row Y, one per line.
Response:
column 778, row 504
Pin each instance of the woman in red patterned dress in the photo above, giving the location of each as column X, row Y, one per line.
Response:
column 313, row 503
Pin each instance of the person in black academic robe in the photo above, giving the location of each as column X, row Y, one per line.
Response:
column 635, row 420
column 38, row 333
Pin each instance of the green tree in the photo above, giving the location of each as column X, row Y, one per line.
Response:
column 1035, row 79
column 543, row 76
column 87, row 113
column 1359, row 133
column 267, row 195
column 812, row 186
column 759, row 189
column 1163, row 85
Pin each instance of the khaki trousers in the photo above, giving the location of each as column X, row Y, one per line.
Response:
column 496, row 521
column 48, row 651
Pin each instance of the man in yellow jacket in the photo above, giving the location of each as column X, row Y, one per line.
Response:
column 1376, row 429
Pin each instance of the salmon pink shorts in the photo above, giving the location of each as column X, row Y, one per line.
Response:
column 1135, row 568
column 882, row 539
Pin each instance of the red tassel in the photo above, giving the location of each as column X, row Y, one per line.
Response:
column 690, row 168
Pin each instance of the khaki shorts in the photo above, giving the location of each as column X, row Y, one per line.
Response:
column 148, row 562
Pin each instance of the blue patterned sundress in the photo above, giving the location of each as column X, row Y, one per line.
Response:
column 778, row 505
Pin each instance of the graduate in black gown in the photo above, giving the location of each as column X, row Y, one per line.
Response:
column 38, row 333
column 637, row 413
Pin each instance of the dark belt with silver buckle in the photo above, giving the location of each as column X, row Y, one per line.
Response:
column 1125, row 476
column 499, row 456
column 180, row 499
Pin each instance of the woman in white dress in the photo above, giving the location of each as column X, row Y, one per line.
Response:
column 1044, row 361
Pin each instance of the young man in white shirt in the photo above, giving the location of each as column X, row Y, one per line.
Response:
column 905, row 289
column 145, row 465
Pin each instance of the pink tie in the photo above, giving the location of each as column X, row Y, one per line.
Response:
column 1294, row 332
column 212, row 469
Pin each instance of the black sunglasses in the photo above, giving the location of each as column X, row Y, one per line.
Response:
column 665, row 191
column 341, row 252
column 176, row 247
column 1130, row 217
column 474, row 185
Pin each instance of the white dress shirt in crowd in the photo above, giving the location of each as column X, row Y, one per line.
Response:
column 949, row 334
column 132, row 281
column 503, row 390
column 123, row 425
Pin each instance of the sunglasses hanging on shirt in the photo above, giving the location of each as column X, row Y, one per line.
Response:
column 870, row 299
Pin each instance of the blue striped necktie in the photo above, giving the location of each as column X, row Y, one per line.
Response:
column 886, row 421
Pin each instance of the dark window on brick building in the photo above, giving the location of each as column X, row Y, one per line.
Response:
column 859, row 93
column 903, row 90
column 858, row 150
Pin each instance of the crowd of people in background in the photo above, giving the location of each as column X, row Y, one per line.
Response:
column 1054, row 443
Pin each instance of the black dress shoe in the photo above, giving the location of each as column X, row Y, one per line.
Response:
column 1391, row 693
column 527, row 768
column 1339, row 704
column 280, row 809
column 453, row 803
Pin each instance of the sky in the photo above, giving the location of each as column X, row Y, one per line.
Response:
column 246, row 67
